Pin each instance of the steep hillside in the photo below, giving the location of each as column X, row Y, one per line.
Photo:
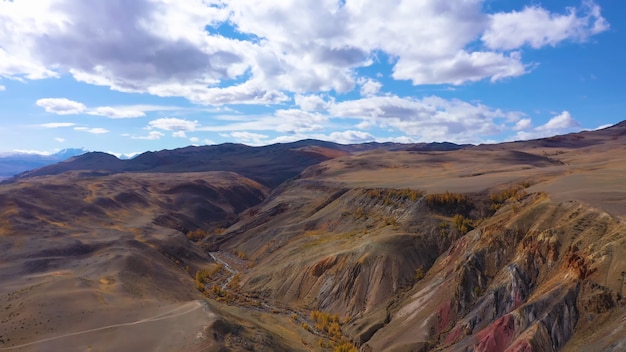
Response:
column 537, row 276
column 534, row 276
column 478, row 249
column 82, row 257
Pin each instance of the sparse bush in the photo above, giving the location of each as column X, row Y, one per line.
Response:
column 443, row 228
column 449, row 203
column 462, row 224
column 359, row 214
column 217, row 290
column 240, row 254
column 197, row 235
column 390, row 195
column 345, row 347
column 330, row 325
column 419, row 273
column 235, row 282
column 199, row 281
column 515, row 193
column 391, row 221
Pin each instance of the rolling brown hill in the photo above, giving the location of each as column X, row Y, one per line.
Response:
column 269, row 165
column 509, row 247
column 82, row 253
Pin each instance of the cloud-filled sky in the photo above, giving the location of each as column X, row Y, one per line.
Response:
column 130, row 76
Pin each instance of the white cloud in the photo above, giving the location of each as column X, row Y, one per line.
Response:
column 291, row 121
column 370, row 87
column 559, row 124
column 194, row 139
column 162, row 47
column 61, row 106
column 537, row 27
column 523, row 124
column 116, row 113
column 30, row 151
column 246, row 93
column 298, row 121
column 2, row 88
column 249, row 137
column 152, row 135
column 64, row 106
column 351, row 137
column 95, row 130
column 59, row 139
column 428, row 119
column 311, row 102
column 57, row 124
column 173, row 124
column 562, row 121
column 146, row 43
column 601, row 127
column 460, row 68
column 179, row 134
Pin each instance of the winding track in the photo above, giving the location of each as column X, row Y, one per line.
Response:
column 227, row 266
column 166, row 315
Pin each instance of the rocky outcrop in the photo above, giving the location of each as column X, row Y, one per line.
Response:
column 521, row 281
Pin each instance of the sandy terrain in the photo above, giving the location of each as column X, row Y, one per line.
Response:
column 85, row 266
column 174, row 327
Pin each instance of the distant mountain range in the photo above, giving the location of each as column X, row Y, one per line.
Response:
column 270, row 165
column 14, row 163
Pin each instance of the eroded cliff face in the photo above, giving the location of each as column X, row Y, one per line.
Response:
column 534, row 276
column 337, row 249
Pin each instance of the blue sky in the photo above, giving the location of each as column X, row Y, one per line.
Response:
column 131, row 76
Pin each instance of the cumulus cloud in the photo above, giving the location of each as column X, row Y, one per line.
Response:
column 561, row 121
column 461, row 67
column 247, row 93
column 299, row 121
column 248, row 137
column 179, row 134
column 370, row 87
column 116, row 113
column 57, row 124
column 61, row 106
column 173, row 48
column 59, row 139
column 351, row 137
column 311, row 102
column 2, row 88
column 537, row 27
column 559, row 124
column 152, row 135
column 173, row 124
column 64, row 106
column 428, row 119
column 523, row 124
column 95, row 130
